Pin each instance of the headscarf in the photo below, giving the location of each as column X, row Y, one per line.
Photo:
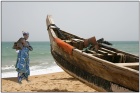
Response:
column 25, row 33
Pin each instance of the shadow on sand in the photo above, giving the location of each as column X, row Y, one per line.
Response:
column 53, row 90
column 65, row 79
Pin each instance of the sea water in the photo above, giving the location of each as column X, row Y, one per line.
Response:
column 41, row 60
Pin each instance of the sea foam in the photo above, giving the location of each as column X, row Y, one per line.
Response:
column 34, row 71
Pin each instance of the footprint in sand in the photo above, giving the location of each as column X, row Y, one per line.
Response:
column 45, row 82
column 77, row 84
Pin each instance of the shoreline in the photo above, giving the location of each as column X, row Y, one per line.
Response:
column 33, row 71
column 52, row 82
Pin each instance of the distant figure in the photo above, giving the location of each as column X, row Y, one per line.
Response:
column 22, row 65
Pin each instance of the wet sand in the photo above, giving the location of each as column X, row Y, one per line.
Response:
column 54, row 82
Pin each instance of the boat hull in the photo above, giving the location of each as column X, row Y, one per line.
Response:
column 91, row 80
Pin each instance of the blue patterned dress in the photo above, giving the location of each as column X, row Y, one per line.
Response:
column 22, row 65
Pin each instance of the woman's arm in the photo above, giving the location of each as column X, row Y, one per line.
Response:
column 29, row 46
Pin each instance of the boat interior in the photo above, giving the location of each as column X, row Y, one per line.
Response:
column 99, row 48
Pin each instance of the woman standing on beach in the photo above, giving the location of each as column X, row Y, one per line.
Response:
column 22, row 64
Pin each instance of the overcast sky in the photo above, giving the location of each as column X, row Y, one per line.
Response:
column 114, row 21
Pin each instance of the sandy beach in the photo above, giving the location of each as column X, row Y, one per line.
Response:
column 54, row 82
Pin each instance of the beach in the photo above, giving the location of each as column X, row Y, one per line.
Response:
column 53, row 82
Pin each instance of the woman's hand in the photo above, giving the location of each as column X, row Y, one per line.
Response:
column 30, row 48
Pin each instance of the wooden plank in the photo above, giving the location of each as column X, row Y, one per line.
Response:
column 130, row 65
column 93, row 52
column 98, row 55
column 103, row 52
column 120, row 51
column 109, row 51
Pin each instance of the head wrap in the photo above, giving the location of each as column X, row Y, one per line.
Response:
column 25, row 33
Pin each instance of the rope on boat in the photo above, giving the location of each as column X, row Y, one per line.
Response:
column 51, row 25
column 57, row 29
column 87, row 48
column 103, row 41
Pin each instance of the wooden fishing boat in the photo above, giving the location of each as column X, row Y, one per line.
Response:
column 100, row 66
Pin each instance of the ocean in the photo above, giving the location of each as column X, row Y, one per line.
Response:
column 41, row 60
